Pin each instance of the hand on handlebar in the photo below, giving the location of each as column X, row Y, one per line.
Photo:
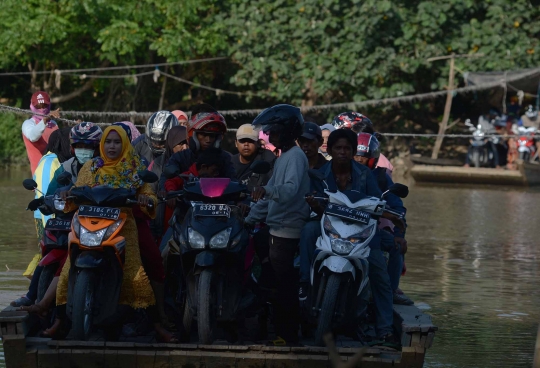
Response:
column 65, row 194
column 395, row 220
column 145, row 201
column 34, row 204
column 258, row 193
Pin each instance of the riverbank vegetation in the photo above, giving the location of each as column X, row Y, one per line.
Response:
column 308, row 52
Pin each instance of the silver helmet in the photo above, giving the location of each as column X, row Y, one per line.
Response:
column 157, row 129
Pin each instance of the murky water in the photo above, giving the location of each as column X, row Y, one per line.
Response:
column 472, row 261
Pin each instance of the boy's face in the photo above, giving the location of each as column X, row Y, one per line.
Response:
column 361, row 160
column 209, row 171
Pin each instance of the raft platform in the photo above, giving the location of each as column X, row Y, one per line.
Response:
column 22, row 351
column 528, row 174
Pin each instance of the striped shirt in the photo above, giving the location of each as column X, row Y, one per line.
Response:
column 43, row 175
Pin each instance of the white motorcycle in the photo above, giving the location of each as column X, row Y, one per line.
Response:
column 339, row 273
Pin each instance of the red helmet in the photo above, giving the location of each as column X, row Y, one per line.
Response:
column 211, row 122
column 368, row 146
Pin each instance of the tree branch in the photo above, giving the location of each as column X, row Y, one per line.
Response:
column 85, row 87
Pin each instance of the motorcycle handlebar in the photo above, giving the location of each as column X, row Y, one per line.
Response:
column 133, row 201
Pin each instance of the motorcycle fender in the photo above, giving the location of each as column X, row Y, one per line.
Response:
column 206, row 259
column 90, row 259
column 54, row 256
column 338, row 265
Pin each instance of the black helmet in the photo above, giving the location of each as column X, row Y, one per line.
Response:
column 157, row 129
column 285, row 119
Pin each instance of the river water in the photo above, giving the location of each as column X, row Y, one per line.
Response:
column 472, row 264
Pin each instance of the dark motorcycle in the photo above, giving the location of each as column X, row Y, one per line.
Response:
column 481, row 152
column 211, row 245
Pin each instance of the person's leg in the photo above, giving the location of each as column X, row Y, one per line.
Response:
column 282, row 253
column 382, row 292
column 308, row 239
column 395, row 259
column 33, row 288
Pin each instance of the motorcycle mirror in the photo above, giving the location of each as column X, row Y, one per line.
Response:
column 29, row 184
column 64, row 178
column 400, row 190
column 148, row 176
column 171, row 171
column 260, row 167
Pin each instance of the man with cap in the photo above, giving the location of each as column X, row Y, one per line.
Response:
column 310, row 141
column 37, row 130
column 249, row 151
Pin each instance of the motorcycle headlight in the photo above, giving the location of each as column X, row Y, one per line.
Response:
column 91, row 239
column 111, row 229
column 221, row 239
column 362, row 236
column 341, row 246
column 196, row 240
column 329, row 229
column 76, row 225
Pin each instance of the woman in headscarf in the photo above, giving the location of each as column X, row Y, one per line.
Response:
column 117, row 167
column 181, row 116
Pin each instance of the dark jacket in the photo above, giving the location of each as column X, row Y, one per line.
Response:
column 184, row 159
column 321, row 161
column 244, row 172
column 384, row 182
column 143, row 149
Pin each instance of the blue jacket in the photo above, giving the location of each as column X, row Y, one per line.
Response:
column 394, row 202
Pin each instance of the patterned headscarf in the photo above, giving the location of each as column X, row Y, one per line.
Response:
column 121, row 172
column 348, row 119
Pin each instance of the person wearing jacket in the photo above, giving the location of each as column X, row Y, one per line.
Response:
column 37, row 130
column 310, row 142
column 206, row 129
column 281, row 205
column 249, row 151
column 151, row 144
column 343, row 173
column 393, row 238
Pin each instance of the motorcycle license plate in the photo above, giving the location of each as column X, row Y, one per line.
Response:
column 99, row 212
column 222, row 210
column 58, row 225
column 348, row 213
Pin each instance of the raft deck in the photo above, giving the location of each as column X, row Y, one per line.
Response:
column 528, row 174
column 22, row 351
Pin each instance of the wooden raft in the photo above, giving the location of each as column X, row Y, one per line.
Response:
column 22, row 351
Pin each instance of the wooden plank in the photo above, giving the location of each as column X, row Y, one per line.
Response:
column 218, row 359
column 250, row 360
column 282, row 361
column 64, row 356
column 213, row 347
column 405, row 339
column 423, row 339
column 87, row 358
column 429, row 340
column 415, row 339
column 162, row 359
column 11, row 329
column 276, row 349
column 126, row 359
column 15, row 352
column 110, row 358
column 313, row 361
column 47, row 358
column 145, row 358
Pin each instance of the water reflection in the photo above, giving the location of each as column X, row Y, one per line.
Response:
column 472, row 263
column 472, row 259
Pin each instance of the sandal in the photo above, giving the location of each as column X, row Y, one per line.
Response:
column 57, row 331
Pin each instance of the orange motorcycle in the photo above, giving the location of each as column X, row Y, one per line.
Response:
column 97, row 254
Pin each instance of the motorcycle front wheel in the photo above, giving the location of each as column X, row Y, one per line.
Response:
column 207, row 308
column 83, row 302
column 476, row 158
column 326, row 315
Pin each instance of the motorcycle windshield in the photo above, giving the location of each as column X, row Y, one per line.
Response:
column 103, row 195
column 213, row 187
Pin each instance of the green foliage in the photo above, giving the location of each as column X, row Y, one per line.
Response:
column 11, row 142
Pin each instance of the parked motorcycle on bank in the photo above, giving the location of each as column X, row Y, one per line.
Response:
column 526, row 144
column 97, row 254
column 209, row 252
column 481, row 153
column 339, row 273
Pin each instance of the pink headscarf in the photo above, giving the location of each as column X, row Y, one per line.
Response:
column 134, row 131
column 179, row 113
column 35, row 110
column 267, row 144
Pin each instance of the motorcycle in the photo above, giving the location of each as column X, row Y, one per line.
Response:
column 209, row 249
column 526, row 144
column 97, row 254
column 480, row 153
column 339, row 273
column 54, row 244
